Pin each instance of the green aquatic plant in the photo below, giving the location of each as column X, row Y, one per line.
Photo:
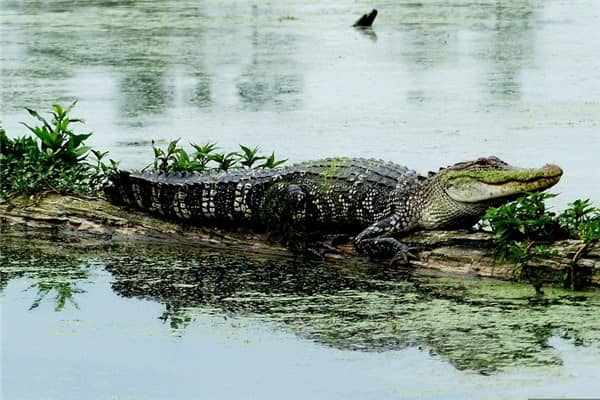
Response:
column 249, row 156
column 203, row 154
column 176, row 159
column 525, row 228
column 525, row 219
column 590, row 231
column 225, row 161
column 581, row 220
column 56, row 137
column 272, row 162
column 54, row 159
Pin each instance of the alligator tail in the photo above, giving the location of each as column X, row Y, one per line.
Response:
column 117, row 189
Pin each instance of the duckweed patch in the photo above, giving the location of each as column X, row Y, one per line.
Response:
column 476, row 325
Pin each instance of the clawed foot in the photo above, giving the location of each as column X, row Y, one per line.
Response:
column 320, row 249
column 311, row 245
column 403, row 257
column 384, row 247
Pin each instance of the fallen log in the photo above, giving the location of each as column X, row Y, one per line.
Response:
column 461, row 252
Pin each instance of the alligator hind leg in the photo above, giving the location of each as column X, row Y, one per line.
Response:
column 285, row 217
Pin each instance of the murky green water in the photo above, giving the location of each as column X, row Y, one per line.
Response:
column 145, row 323
column 433, row 83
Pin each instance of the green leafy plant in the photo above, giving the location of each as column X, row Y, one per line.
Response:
column 53, row 159
column 521, row 253
column 225, row 161
column 524, row 228
column 56, row 137
column 590, row 231
column 204, row 153
column 249, row 156
column 272, row 162
column 525, row 219
column 581, row 220
column 206, row 158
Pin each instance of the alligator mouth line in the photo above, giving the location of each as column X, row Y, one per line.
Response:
column 551, row 180
column 546, row 173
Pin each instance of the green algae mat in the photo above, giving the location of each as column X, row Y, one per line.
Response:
column 475, row 324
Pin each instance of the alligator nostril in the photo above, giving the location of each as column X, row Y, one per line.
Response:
column 552, row 170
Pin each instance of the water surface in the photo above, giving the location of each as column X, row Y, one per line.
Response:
column 147, row 323
column 435, row 82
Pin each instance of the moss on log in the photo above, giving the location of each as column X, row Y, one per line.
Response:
column 462, row 252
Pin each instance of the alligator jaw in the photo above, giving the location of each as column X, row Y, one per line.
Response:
column 494, row 185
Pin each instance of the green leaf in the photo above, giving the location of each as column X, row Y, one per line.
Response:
column 271, row 162
column 78, row 139
column 204, row 150
column 70, row 108
column 63, row 125
column 158, row 152
column 99, row 154
column 183, row 156
column 172, row 146
column 58, row 110
column 80, row 151
column 36, row 115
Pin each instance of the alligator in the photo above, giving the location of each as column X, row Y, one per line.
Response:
column 376, row 201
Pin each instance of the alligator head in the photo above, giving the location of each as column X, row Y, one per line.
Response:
column 462, row 192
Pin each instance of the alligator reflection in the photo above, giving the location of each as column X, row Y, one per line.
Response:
column 473, row 324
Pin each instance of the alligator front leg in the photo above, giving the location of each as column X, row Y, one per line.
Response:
column 374, row 242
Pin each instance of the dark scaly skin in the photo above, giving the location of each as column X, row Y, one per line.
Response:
column 299, row 204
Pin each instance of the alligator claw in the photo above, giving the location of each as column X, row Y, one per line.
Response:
column 310, row 246
column 319, row 249
column 403, row 257
column 384, row 247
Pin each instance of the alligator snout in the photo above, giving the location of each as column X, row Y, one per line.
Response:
column 552, row 170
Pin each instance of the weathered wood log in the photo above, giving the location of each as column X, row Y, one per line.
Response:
column 366, row 20
column 461, row 252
